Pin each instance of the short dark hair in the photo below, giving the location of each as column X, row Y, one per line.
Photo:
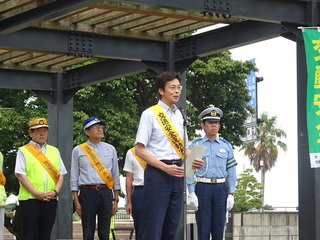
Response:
column 165, row 77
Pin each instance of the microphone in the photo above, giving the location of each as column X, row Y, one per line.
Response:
column 184, row 115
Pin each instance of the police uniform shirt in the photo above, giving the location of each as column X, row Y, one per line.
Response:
column 132, row 165
column 217, row 154
column 83, row 173
column 20, row 167
column 151, row 135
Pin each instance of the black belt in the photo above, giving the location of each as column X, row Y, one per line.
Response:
column 177, row 162
column 138, row 186
column 96, row 187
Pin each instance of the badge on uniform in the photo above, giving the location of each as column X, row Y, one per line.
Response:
column 222, row 150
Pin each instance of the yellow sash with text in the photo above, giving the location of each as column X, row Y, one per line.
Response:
column 140, row 160
column 97, row 164
column 45, row 162
column 169, row 130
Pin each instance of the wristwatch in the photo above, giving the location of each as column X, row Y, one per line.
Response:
column 231, row 193
column 56, row 192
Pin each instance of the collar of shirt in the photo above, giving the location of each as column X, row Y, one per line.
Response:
column 37, row 145
column 166, row 107
column 94, row 145
column 206, row 139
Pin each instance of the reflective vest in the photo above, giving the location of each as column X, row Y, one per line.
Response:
column 3, row 195
column 37, row 175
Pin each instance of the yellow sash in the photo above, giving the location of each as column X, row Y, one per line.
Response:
column 140, row 160
column 169, row 129
column 45, row 162
column 2, row 179
column 97, row 164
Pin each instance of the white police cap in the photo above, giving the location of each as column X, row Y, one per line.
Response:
column 211, row 113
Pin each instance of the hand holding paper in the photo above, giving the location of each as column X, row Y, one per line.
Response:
column 196, row 153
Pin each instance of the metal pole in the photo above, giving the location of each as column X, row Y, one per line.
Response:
column 182, row 230
column 184, row 186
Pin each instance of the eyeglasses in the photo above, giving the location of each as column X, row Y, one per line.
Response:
column 97, row 126
column 173, row 87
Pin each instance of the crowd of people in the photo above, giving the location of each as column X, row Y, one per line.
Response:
column 154, row 169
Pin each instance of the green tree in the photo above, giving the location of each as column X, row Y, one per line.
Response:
column 119, row 103
column 263, row 153
column 16, row 108
column 220, row 81
column 247, row 195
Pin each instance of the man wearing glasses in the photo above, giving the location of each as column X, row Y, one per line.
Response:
column 159, row 142
column 95, row 182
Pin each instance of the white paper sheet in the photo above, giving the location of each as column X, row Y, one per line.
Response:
column 196, row 152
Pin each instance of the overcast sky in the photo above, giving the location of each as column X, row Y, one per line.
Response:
column 276, row 61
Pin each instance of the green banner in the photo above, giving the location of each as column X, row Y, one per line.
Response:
column 311, row 38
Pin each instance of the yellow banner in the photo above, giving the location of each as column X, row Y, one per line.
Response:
column 140, row 160
column 169, row 130
column 45, row 162
column 97, row 164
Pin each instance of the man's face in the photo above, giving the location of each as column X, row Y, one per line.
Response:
column 171, row 93
column 95, row 131
column 210, row 127
column 39, row 135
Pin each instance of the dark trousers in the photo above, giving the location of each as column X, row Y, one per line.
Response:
column 37, row 218
column 163, row 204
column 211, row 214
column 138, row 211
column 96, row 203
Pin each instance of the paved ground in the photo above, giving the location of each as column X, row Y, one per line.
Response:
column 122, row 231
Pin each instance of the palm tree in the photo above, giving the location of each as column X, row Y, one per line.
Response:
column 263, row 152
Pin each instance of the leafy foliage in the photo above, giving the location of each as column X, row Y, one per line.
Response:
column 119, row 103
column 16, row 108
column 220, row 81
column 247, row 194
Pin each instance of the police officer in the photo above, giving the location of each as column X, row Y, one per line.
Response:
column 213, row 192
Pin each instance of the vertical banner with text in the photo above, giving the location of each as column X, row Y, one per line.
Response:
column 251, row 122
column 311, row 38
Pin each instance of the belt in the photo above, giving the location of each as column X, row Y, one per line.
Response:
column 177, row 162
column 138, row 186
column 211, row 180
column 96, row 187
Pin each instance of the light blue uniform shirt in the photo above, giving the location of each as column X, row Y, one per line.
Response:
column 82, row 171
column 218, row 153
column 151, row 135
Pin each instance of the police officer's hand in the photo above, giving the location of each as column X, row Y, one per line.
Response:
column 197, row 163
column 193, row 201
column 230, row 202
column 174, row 170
